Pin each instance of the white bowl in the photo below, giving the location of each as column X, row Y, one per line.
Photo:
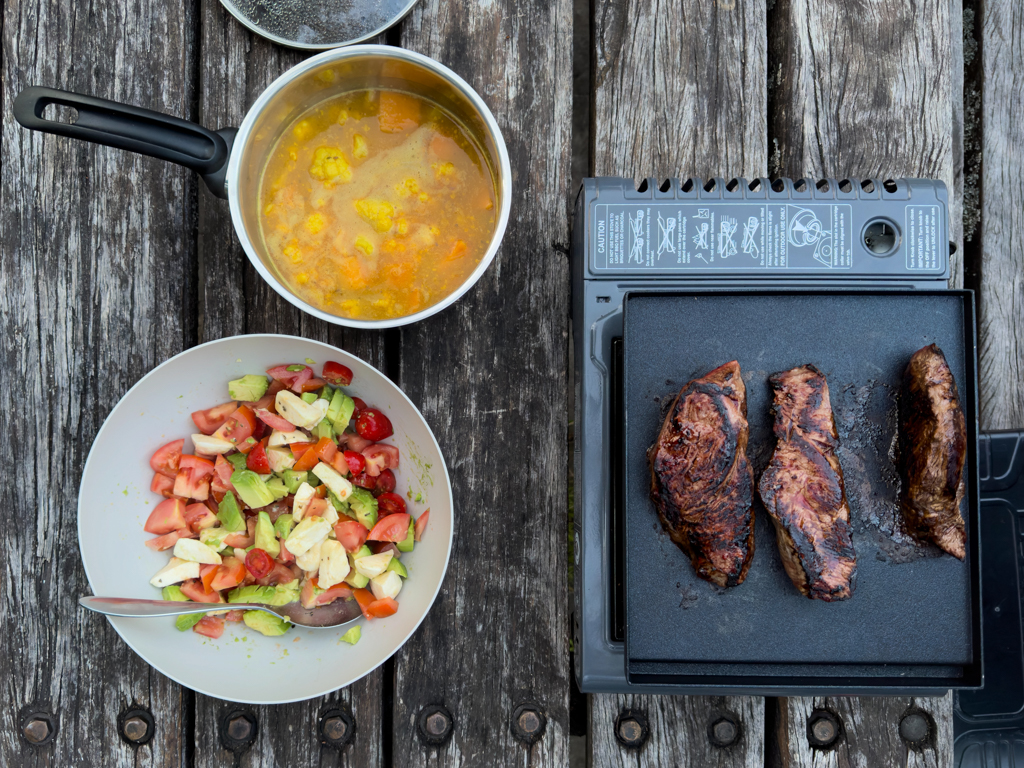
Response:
column 114, row 502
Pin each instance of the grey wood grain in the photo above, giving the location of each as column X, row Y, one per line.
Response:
column 870, row 733
column 679, row 728
column 489, row 374
column 236, row 67
column 1002, row 246
column 679, row 90
column 870, row 90
column 97, row 285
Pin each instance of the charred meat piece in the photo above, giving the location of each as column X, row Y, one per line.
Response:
column 802, row 488
column 701, row 483
column 932, row 450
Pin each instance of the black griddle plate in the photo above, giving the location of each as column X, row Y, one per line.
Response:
column 912, row 607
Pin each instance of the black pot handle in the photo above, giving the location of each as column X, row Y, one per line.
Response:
column 137, row 130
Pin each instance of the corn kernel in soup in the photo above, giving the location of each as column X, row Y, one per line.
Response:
column 376, row 205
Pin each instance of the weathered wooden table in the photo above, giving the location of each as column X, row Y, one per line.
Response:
column 112, row 263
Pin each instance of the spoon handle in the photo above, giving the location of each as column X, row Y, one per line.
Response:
column 127, row 606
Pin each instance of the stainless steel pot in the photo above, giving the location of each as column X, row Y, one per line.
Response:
column 231, row 161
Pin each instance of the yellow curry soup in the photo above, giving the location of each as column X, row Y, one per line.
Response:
column 376, row 205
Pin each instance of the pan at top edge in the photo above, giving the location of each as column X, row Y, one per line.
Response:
column 317, row 25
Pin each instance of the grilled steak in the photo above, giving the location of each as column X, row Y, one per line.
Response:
column 701, row 483
column 802, row 488
column 932, row 450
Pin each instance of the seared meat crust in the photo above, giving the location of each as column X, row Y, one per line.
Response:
column 802, row 488
column 932, row 451
column 701, row 483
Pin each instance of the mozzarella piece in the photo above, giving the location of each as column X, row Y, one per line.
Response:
column 374, row 565
column 211, row 446
column 175, row 572
column 330, row 477
column 293, row 408
column 303, row 496
column 196, row 552
column 388, row 584
column 280, row 459
column 330, row 515
column 286, row 438
column 309, row 560
column 333, row 564
column 307, row 534
column 240, row 553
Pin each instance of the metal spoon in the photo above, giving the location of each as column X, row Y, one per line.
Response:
column 322, row 617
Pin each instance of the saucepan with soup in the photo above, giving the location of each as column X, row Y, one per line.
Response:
column 370, row 185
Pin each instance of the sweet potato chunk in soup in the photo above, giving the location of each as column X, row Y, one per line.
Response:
column 376, row 205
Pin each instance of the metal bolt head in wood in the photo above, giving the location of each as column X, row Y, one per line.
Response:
column 135, row 729
column 335, row 729
column 724, row 732
column 914, row 727
column 822, row 729
column 528, row 723
column 435, row 724
column 239, row 728
column 36, row 730
column 631, row 728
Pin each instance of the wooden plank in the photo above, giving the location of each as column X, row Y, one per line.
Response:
column 1002, row 249
column 236, row 67
column 490, row 376
column 880, row 99
column 97, row 279
column 870, row 733
column 679, row 89
column 679, row 731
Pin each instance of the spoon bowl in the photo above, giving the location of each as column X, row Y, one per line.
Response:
column 323, row 617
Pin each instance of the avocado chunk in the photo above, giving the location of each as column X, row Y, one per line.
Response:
column 309, row 397
column 340, row 410
column 263, row 622
column 249, row 388
column 396, row 566
column 174, row 593
column 229, row 514
column 293, row 479
column 323, row 429
column 266, row 536
column 188, row 620
column 251, row 489
column 356, row 580
column 338, row 504
column 410, row 539
column 326, row 394
column 277, row 487
column 352, row 636
column 279, row 595
column 237, row 461
column 363, row 506
column 214, row 537
column 284, row 525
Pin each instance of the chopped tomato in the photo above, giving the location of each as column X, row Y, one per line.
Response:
column 211, row 626
column 300, row 381
column 364, row 481
column 320, row 491
column 385, row 482
column 230, row 574
column 291, row 379
column 356, row 444
column 247, row 445
column 356, row 462
column 373, row 425
column 257, row 460
column 421, row 525
column 351, row 534
column 337, row 374
column 365, row 598
column 360, row 405
column 313, row 384
column 281, row 574
column 300, row 448
column 238, row 426
column 274, row 421
column 380, row 457
column 193, row 590
column 340, row 463
column 317, row 507
column 199, row 516
column 377, row 547
column 163, row 485
column 210, row 420
column 325, row 449
column 332, row 594
column 307, row 597
column 234, row 615
column 241, row 540
column 193, row 478
column 309, row 460
column 394, row 527
column 259, row 430
column 259, row 563
column 168, row 516
column 390, row 504
column 168, row 540
column 286, row 556
column 380, row 609
column 165, row 460
column 207, row 574
column 222, row 470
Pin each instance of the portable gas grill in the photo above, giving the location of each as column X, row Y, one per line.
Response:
column 671, row 281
